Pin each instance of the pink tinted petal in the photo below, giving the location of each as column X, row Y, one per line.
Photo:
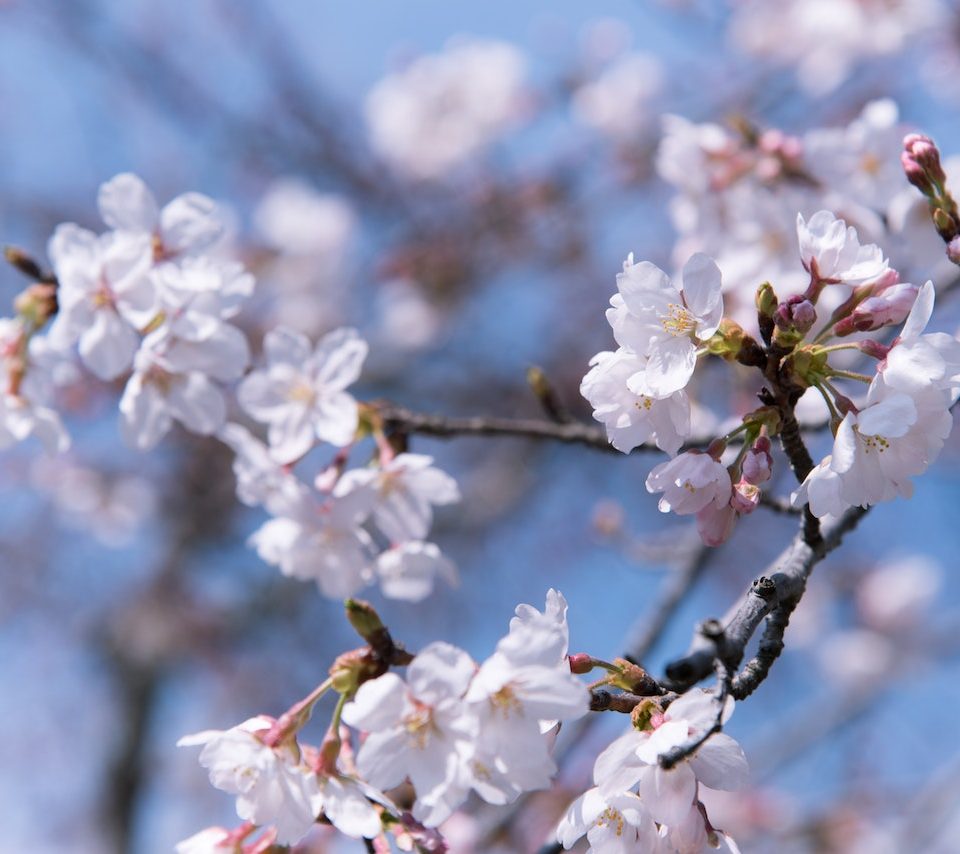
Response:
column 197, row 403
column 920, row 314
column 377, row 705
column 337, row 417
column 668, row 794
column 339, row 358
column 720, row 763
column 440, row 672
column 701, row 292
column 189, row 223
column 126, row 203
column 107, row 347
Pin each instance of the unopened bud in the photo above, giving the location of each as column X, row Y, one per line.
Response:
column 745, row 498
column 766, row 302
column 888, row 308
column 732, row 343
column 758, row 462
column 808, row 365
column 921, row 163
column 796, row 314
column 364, row 619
column 580, row 663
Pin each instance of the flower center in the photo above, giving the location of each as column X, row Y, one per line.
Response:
column 103, row 297
column 506, row 703
column 302, row 393
column 418, row 725
column 678, row 320
column 613, row 817
column 871, row 164
column 876, row 444
column 644, row 402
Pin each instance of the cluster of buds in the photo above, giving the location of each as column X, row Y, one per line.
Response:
column 921, row 164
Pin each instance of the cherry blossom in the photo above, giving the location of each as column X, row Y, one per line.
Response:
column 919, row 359
column 187, row 225
column 105, row 296
column 830, row 250
column 878, row 449
column 321, row 543
column 403, row 492
column 271, row 784
column 419, row 729
column 690, row 482
column 301, row 393
column 655, row 318
column 408, row 571
column 617, row 102
column 633, row 419
column 158, row 394
column 670, row 794
column 524, row 688
column 617, row 824
column 441, row 110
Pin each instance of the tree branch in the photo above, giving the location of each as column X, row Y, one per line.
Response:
column 399, row 419
column 780, row 588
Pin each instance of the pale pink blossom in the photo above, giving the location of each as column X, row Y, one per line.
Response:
column 665, row 322
column 301, row 392
column 187, row 225
column 272, row 784
column 633, row 419
column 690, row 482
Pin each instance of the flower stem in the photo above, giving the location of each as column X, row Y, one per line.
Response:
column 851, row 375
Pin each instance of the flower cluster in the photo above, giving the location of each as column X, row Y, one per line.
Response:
column 434, row 115
column 451, row 727
column 354, row 526
column 151, row 300
column 825, row 41
column 892, row 434
column 738, row 192
column 638, row 805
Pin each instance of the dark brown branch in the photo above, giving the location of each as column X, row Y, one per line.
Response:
column 783, row 585
column 402, row 420
column 396, row 418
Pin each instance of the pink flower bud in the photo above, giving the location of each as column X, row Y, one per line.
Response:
column 580, row 663
column 797, row 313
column 745, row 498
column 921, row 163
column 888, row 308
column 715, row 524
column 758, row 463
